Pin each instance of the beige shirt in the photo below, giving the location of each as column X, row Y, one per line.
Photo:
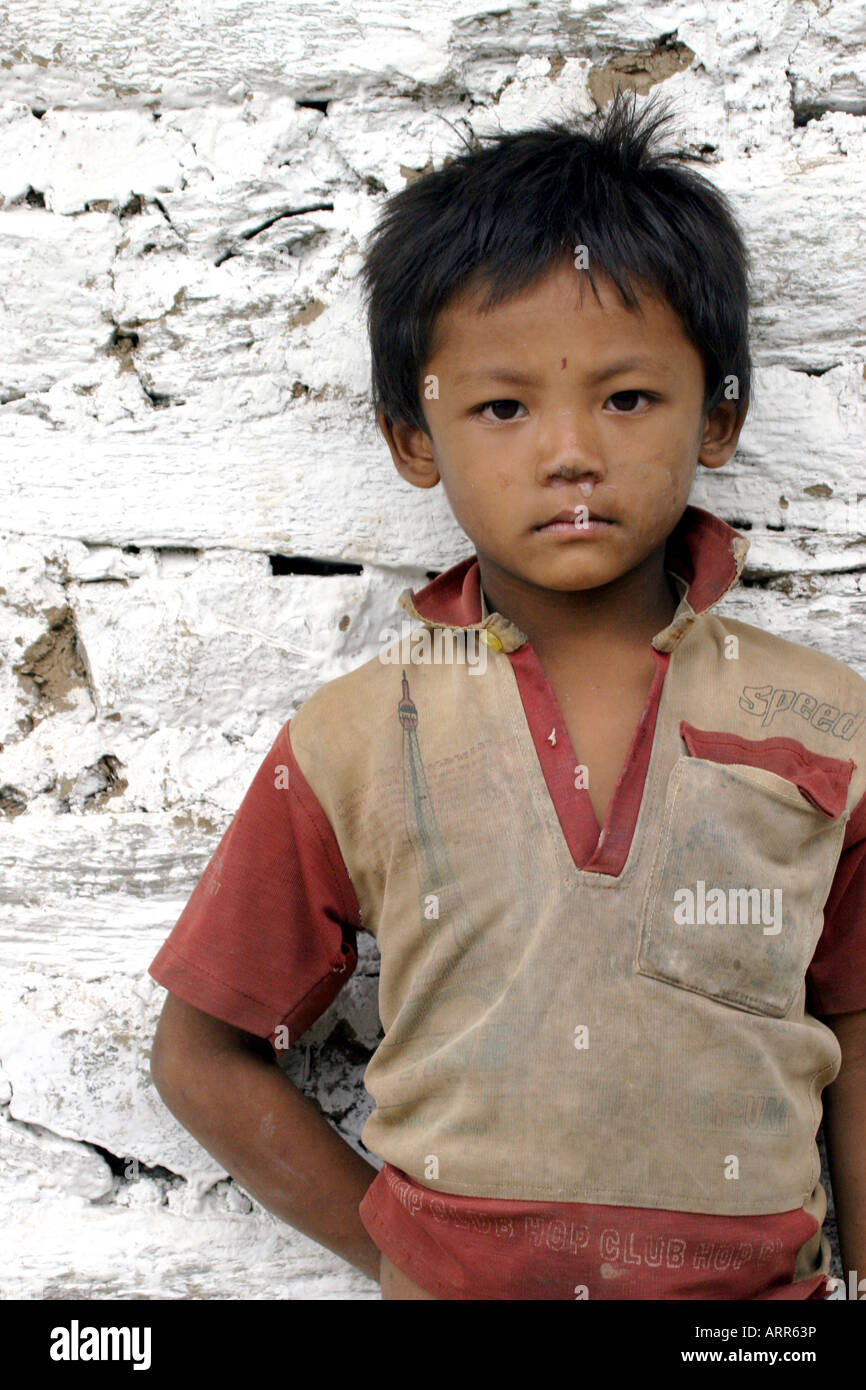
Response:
column 562, row 1035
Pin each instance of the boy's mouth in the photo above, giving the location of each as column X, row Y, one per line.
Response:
column 576, row 521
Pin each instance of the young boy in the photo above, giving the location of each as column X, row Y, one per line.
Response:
column 613, row 853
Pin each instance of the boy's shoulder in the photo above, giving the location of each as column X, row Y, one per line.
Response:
column 791, row 656
column 354, row 716
column 355, row 695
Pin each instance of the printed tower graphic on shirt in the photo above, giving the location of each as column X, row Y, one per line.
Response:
column 425, row 837
column 445, row 919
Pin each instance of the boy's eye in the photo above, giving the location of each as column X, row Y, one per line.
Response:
column 625, row 403
column 628, row 400
column 506, row 405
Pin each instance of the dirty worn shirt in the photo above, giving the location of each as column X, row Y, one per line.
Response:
column 603, row 1053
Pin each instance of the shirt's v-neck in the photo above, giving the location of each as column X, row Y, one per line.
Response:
column 599, row 849
column 593, row 848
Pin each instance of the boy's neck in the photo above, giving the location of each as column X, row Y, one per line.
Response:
column 626, row 613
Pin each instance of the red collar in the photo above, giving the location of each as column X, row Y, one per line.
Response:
column 703, row 552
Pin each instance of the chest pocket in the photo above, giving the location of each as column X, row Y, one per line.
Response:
column 748, row 845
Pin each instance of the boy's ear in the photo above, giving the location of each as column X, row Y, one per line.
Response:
column 721, row 431
column 411, row 450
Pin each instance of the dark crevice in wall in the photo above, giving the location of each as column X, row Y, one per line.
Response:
column 159, row 400
column 133, row 206
column 120, row 1165
column 189, row 550
column 13, row 802
column 795, row 584
column 280, row 564
column 157, row 202
column 813, row 107
column 806, row 111
column 122, row 344
column 307, row 564
column 123, row 340
column 314, row 105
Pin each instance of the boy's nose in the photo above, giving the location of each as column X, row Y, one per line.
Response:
column 568, row 447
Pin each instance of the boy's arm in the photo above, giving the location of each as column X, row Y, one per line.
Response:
column 218, row 1082
column 845, row 1135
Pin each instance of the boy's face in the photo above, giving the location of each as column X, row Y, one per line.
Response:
column 555, row 403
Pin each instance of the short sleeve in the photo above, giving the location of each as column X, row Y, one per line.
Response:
column 268, row 937
column 836, row 978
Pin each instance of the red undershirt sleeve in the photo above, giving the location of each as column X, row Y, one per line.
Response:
column 268, row 938
column 836, row 978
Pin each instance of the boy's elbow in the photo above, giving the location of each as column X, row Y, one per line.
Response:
column 165, row 1054
column 180, row 1033
column 187, row 1038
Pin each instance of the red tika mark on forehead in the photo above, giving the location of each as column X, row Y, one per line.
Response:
column 563, row 364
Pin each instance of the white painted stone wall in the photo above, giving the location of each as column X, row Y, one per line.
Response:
column 183, row 372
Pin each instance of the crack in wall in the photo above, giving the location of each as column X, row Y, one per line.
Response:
column 269, row 222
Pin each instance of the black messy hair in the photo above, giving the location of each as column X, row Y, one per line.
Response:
column 501, row 216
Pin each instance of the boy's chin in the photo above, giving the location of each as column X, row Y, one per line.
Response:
column 568, row 579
